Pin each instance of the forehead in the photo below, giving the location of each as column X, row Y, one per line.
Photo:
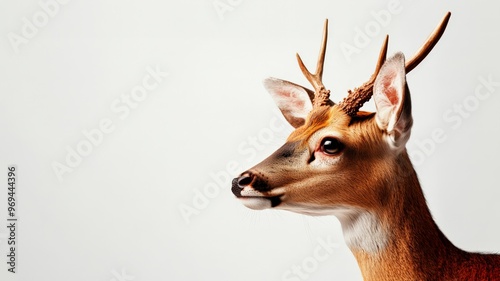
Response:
column 333, row 118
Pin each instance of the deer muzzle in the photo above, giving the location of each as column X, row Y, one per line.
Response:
column 259, row 187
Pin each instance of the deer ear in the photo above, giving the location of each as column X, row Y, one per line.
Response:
column 293, row 100
column 392, row 99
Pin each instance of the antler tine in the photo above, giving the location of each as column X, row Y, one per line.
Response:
column 355, row 99
column 321, row 95
column 428, row 45
column 381, row 59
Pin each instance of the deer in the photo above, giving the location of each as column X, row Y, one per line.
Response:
column 353, row 164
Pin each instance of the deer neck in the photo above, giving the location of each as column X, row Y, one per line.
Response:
column 399, row 240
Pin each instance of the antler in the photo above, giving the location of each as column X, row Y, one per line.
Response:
column 321, row 94
column 429, row 44
column 356, row 98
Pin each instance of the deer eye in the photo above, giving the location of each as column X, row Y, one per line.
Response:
column 331, row 146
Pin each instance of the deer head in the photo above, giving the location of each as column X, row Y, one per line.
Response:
column 353, row 164
column 338, row 158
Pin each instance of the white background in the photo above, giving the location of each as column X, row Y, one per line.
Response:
column 116, row 215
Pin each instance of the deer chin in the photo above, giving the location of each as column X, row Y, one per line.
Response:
column 257, row 201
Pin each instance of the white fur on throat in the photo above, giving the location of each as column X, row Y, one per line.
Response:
column 362, row 230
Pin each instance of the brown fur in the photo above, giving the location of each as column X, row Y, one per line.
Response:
column 418, row 250
column 371, row 177
column 318, row 118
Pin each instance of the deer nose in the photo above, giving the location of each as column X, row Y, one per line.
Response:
column 241, row 182
column 245, row 180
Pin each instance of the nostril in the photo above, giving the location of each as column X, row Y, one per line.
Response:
column 244, row 180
